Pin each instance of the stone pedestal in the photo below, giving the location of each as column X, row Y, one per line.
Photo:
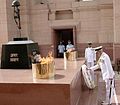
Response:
column 17, row 54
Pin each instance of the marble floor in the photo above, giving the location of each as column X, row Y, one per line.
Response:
column 95, row 96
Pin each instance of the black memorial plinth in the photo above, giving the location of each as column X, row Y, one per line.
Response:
column 17, row 56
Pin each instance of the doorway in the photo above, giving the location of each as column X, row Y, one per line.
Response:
column 62, row 35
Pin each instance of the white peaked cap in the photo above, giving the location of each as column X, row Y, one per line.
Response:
column 98, row 48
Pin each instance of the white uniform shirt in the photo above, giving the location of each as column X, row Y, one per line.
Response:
column 105, row 65
column 90, row 55
column 61, row 48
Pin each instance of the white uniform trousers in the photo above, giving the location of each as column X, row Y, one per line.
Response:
column 109, row 90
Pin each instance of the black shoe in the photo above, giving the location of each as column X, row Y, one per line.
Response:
column 105, row 103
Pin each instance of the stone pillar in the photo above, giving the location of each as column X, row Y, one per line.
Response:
column 76, row 10
column 106, row 24
column 76, row 13
column 51, row 15
column 3, row 24
column 116, row 8
column 74, row 36
column 51, row 10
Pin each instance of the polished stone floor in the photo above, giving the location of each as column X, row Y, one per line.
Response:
column 95, row 96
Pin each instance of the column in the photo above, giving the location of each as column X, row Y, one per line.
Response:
column 3, row 24
column 116, row 8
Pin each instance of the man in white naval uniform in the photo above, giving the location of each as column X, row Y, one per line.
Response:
column 90, row 58
column 108, row 74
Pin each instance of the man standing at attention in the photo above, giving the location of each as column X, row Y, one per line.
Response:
column 90, row 58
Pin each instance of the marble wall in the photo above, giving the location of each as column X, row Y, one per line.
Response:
column 3, row 24
column 116, row 9
column 92, row 21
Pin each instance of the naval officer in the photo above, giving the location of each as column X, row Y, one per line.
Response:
column 108, row 74
column 90, row 58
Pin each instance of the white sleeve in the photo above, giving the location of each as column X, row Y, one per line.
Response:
column 86, row 53
column 93, row 68
column 94, row 54
column 67, row 47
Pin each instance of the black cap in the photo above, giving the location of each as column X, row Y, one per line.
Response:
column 89, row 43
column 98, row 48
